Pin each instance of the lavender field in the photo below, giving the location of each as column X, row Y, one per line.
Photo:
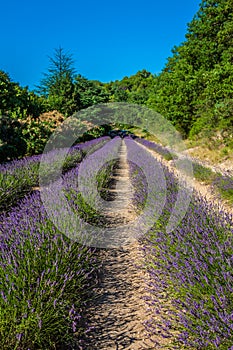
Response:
column 48, row 279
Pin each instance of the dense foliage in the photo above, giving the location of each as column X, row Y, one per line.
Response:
column 195, row 88
column 27, row 119
column 66, row 91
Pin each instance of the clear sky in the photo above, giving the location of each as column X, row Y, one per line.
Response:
column 108, row 39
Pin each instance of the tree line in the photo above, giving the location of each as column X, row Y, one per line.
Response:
column 194, row 90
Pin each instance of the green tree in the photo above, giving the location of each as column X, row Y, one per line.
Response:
column 206, row 32
column 58, row 83
column 12, row 144
column 198, row 76
column 61, row 67
column 18, row 102
column 7, row 93
column 135, row 89
column 90, row 92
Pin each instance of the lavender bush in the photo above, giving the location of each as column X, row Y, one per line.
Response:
column 98, row 181
column 138, row 180
column 191, row 273
column 46, row 278
column 192, row 267
column 16, row 178
column 19, row 176
column 164, row 152
column 43, row 275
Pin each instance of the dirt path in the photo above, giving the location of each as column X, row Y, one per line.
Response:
column 117, row 311
column 120, row 210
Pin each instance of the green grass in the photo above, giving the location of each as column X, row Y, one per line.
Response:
column 224, row 185
column 202, row 173
column 227, row 194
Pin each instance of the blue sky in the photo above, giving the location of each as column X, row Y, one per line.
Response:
column 108, row 39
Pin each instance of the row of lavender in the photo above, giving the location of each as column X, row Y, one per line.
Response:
column 220, row 181
column 46, row 277
column 19, row 176
column 163, row 151
column 191, row 270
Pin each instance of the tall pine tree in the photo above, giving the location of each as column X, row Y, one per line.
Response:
column 58, row 83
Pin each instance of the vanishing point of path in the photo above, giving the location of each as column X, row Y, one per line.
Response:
column 117, row 311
